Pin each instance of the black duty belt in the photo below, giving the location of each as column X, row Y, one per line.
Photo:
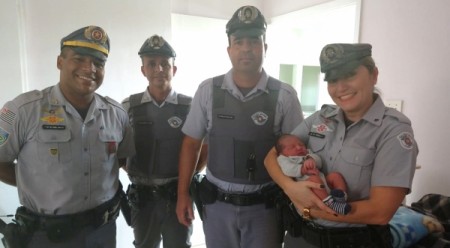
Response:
column 95, row 217
column 328, row 237
column 241, row 199
column 154, row 192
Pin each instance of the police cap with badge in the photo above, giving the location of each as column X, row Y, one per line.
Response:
column 156, row 45
column 90, row 40
column 340, row 60
column 246, row 21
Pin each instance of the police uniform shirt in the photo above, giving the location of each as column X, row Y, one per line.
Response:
column 199, row 120
column 172, row 98
column 64, row 164
column 378, row 150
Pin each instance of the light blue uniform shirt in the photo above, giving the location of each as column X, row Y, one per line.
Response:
column 64, row 164
column 378, row 150
column 199, row 120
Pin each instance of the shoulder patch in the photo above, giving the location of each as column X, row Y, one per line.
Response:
column 3, row 136
column 406, row 140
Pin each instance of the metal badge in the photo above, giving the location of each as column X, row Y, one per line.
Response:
column 248, row 14
column 260, row 118
column 53, row 151
column 96, row 34
column 175, row 122
column 156, row 42
column 332, row 53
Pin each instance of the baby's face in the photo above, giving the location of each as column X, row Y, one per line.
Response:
column 293, row 147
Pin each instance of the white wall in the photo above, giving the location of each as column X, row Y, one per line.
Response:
column 411, row 41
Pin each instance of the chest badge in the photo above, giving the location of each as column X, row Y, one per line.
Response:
column 260, row 118
column 175, row 122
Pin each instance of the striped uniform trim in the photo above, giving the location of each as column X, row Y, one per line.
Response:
column 7, row 116
column 86, row 44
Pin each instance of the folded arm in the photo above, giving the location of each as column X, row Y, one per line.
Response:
column 299, row 192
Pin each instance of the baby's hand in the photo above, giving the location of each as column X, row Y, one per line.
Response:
column 310, row 167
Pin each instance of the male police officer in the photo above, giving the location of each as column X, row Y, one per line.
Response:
column 67, row 141
column 240, row 113
column 157, row 115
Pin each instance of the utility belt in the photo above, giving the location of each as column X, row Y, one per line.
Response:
column 61, row 227
column 377, row 236
column 209, row 193
column 139, row 194
column 326, row 237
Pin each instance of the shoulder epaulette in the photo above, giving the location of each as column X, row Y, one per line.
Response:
column 397, row 115
column 113, row 102
column 28, row 97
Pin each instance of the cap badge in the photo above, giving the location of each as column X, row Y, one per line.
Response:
column 248, row 14
column 95, row 34
column 156, row 42
column 332, row 54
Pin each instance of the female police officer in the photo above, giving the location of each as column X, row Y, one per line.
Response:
column 371, row 145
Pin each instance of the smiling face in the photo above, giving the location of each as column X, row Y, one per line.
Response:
column 354, row 93
column 247, row 53
column 159, row 70
column 80, row 75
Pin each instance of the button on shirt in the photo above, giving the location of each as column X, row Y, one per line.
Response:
column 64, row 164
column 199, row 120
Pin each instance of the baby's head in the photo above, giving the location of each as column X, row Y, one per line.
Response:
column 290, row 145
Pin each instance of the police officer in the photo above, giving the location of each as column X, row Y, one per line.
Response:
column 157, row 115
column 371, row 145
column 67, row 141
column 240, row 113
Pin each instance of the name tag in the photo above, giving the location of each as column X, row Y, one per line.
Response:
column 227, row 117
column 54, row 127
column 317, row 135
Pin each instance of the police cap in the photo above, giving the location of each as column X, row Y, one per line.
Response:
column 338, row 60
column 156, row 45
column 90, row 40
column 246, row 21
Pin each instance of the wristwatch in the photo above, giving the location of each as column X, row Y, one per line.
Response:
column 307, row 214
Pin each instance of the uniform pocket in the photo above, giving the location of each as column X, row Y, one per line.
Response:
column 110, row 139
column 357, row 168
column 54, row 145
column 316, row 144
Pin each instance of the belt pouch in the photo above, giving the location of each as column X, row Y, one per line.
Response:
column 207, row 192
